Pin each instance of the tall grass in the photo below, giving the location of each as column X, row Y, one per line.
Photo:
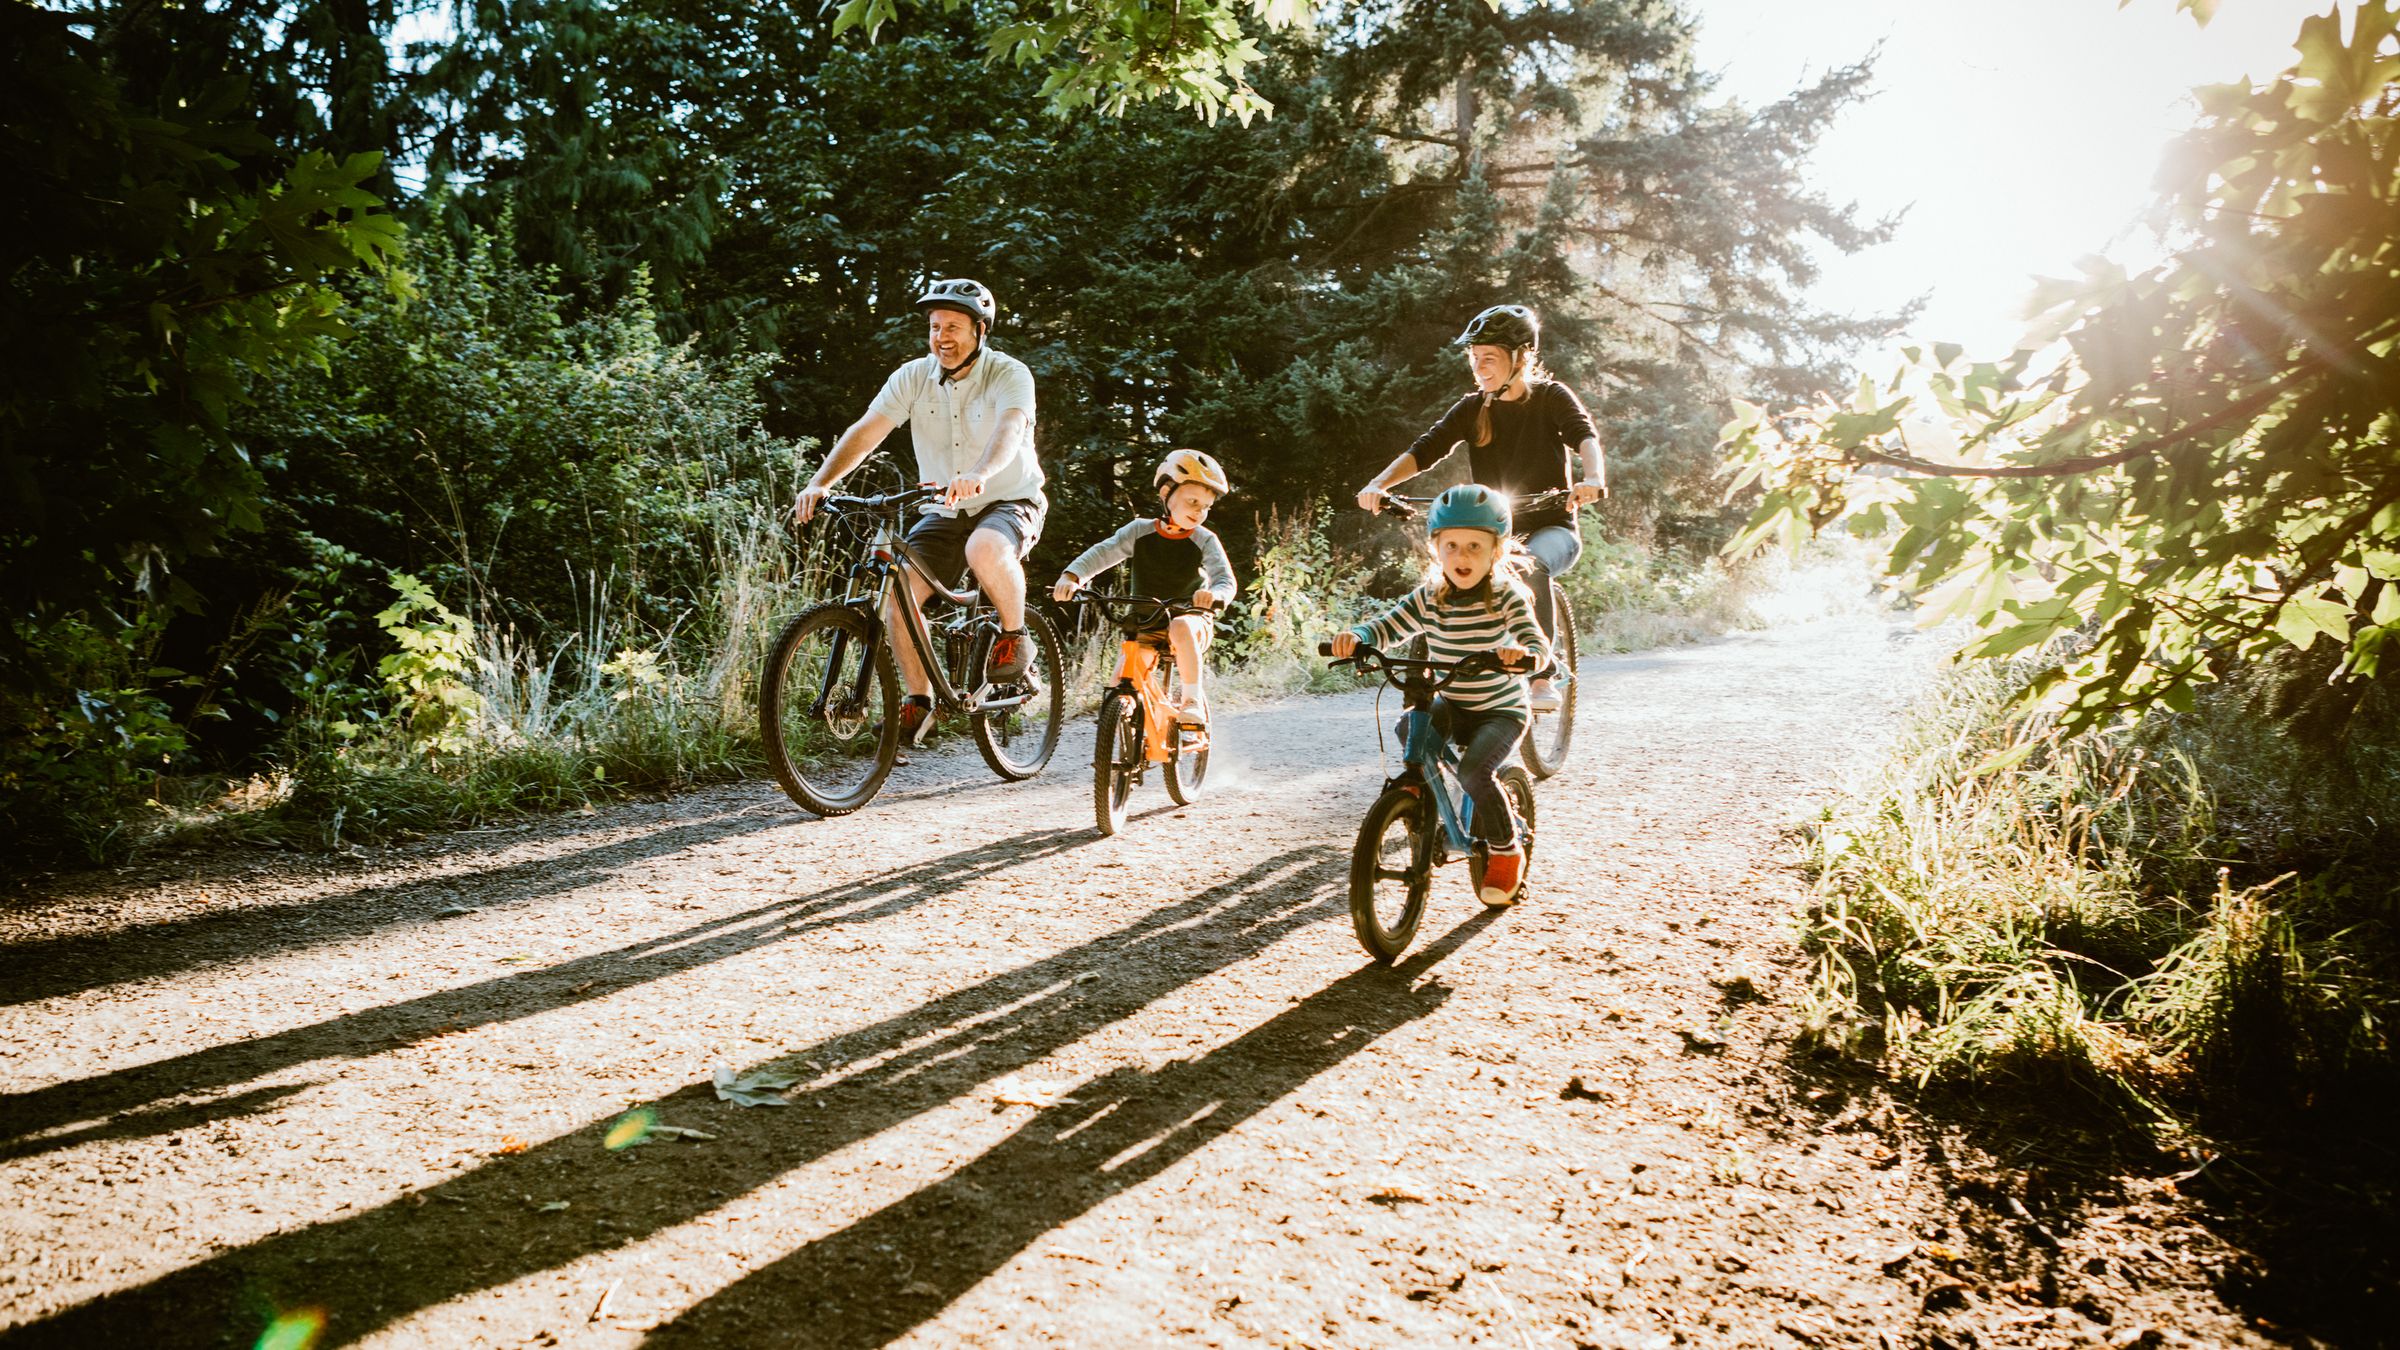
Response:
column 2185, row 917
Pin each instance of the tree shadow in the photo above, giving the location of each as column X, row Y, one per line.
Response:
column 2045, row 1174
column 374, row 1268
column 889, row 1272
column 62, row 966
column 506, row 998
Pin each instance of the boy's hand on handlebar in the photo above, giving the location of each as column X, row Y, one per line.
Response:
column 1204, row 600
column 804, row 506
column 1065, row 589
column 1343, row 645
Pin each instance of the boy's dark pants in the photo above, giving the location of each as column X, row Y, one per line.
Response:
column 1485, row 740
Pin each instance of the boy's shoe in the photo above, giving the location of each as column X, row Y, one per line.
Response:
column 1544, row 696
column 1503, row 875
column 1191, row 710
column 1012, row 654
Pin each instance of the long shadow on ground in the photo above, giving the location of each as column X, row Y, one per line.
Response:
column 56, row 967
column 875, row 1280
column 372, row 1269
column 359, row 1035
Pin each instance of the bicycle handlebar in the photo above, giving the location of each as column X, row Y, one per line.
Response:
column 1369, row 660
column 1172, row 609
column 1409, row 508
column 889, row 501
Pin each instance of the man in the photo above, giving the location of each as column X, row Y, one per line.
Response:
column 969, row 410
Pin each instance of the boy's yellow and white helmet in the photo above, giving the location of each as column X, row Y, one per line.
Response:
column 1192, row 466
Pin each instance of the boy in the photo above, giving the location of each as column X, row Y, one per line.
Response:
column 1174, row 555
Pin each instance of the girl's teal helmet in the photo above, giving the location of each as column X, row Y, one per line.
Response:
column 1470, row 506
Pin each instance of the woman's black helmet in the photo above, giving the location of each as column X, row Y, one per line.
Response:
column 971, row 298
column 1509, row 326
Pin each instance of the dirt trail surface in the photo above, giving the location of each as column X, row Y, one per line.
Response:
column 1046, row 1088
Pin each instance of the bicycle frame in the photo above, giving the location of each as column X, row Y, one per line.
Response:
column 1428, row 748
column 1137, row 675
column 874, row 579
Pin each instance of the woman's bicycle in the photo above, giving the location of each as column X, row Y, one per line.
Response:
column 1550, row 733
column 1423, row 819
column 829, row 698
column 1137, row 725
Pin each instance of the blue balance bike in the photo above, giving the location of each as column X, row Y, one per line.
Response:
column 1422, row 819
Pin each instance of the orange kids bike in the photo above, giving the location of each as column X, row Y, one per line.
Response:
column 1138, row 726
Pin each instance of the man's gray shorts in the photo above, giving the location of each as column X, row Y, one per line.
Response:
column 942, row 540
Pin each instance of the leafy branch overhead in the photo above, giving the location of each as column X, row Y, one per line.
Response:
column 2202, row 471
column 1114, row 54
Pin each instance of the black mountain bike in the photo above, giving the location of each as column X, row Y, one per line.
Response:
column 829, row 699
column 1549, row 734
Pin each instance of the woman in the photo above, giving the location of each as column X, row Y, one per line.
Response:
column 1519, row 426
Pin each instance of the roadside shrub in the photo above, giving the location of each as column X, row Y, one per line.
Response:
column 2181, row 914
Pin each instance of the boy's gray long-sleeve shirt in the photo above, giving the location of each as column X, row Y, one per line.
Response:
column 1152, row 555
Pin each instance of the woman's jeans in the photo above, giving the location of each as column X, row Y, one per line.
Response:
column 1555, row 548
column 1485, row 740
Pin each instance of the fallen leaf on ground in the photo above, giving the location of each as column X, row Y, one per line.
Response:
column 758, row 1089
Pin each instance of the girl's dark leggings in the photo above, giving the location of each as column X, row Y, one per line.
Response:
column 1485, row 740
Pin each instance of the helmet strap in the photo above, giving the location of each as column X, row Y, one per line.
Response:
column 959, row 371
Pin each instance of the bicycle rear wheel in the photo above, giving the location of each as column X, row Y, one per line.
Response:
column 826, row 709
column 1017, row 740
column 1116, row 759
column 1548, row 735
column 1186, row 769
column 1391, row 873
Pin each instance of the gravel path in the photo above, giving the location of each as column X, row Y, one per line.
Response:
column 1049, row 1088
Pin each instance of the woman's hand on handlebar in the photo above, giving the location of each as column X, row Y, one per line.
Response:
column 1371, row 499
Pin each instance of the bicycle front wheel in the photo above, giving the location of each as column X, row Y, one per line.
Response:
column 1116, row 759
column 1017, row 738
column 826, row 705
column 1391, row 873
column 1549, row 734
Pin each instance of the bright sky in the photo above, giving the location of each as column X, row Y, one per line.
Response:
column 2023, row 134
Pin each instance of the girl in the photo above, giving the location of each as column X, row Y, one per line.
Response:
column 1519, row 425
column 1472, row 601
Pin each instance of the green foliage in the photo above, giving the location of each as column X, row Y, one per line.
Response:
column 2185, row 915
column 1115, row 55
column 2210, row 473
column 162, row 256
column 427, row 676
column 74, row 769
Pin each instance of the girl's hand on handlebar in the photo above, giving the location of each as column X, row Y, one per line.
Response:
column 1343, row 645
column 1065, row 589
column 1513, row 658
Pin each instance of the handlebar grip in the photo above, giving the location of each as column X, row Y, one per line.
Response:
column 1324, row 649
